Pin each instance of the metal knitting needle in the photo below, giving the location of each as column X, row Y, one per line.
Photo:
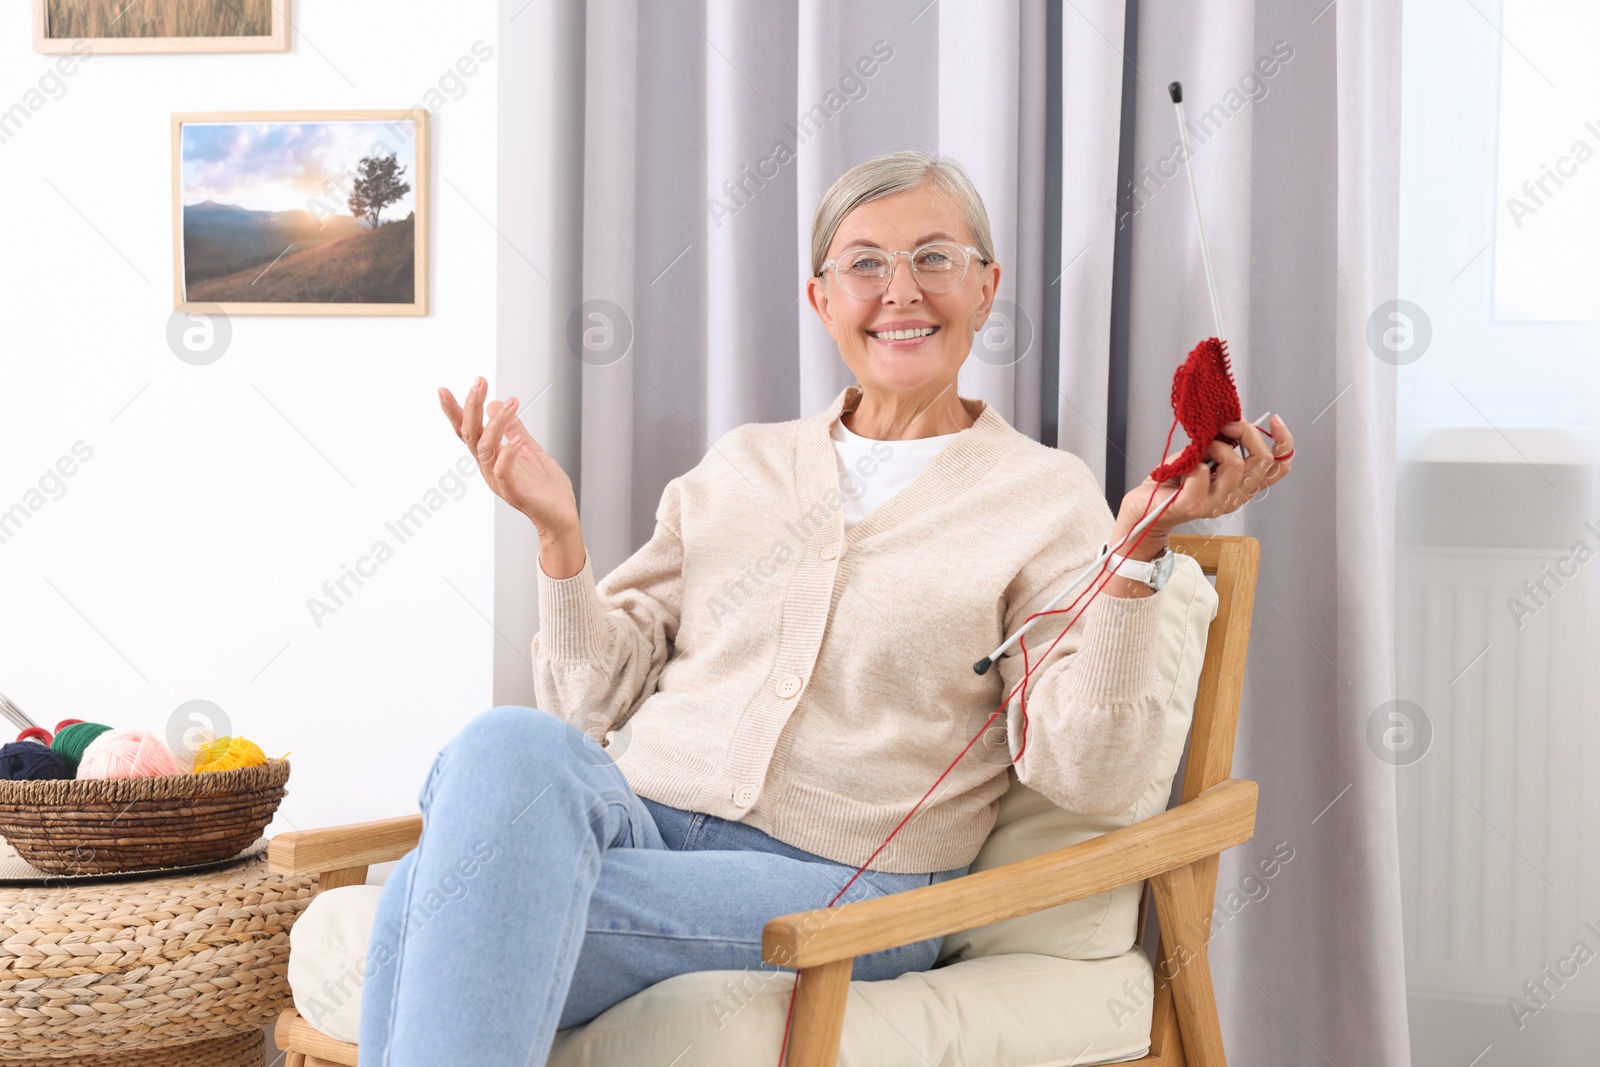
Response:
column 1175, row 90
column 15, row 714
column 983, row 665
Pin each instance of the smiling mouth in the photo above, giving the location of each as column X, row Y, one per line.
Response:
column 903, row 335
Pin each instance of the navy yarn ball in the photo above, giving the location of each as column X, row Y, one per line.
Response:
column 29, row 761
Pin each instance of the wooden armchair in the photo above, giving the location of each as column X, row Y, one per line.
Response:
column 1175, row 853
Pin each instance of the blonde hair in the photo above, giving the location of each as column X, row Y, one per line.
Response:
column 896, row 172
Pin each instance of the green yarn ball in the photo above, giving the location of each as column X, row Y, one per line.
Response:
column 70, row 743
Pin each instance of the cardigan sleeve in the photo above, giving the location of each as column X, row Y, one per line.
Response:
column 1095, row 708
column 602, row 646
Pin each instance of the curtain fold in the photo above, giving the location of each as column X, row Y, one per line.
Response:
column 1090, row 123
column 1367, row 74
column 713, row 129
column 611, row 241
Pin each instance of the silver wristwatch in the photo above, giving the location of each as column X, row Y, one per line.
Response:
column 1153, row 573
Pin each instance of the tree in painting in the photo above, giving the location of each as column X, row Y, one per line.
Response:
column 378, row 184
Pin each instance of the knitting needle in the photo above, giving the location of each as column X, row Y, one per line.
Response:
column 1175, row 90
column 983, row 665
column 15, row 714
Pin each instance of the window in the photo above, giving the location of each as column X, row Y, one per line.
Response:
column 1503, row 258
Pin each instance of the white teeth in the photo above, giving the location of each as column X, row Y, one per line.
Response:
column 902, row 335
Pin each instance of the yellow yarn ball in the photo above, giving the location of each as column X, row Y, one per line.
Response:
column 227, row 753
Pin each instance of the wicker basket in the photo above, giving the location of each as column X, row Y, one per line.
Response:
column 178, row 970
column 106, row 825
column 237, row 1050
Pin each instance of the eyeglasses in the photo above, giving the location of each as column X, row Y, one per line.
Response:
column 937, row 267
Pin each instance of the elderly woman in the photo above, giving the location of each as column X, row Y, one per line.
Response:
column 784, row 669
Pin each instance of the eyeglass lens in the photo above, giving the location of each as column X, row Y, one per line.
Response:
column 864, row 272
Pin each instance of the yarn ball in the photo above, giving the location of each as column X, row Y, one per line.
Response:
column 72, row 739
column 29, row 761
column 226, row 753
column 128, row 754
column 1204, row 398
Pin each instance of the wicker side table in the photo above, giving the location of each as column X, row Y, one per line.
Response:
column 180, row 970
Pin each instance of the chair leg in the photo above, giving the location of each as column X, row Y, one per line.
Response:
column 1166, row 1044
column 1183, row 905
column 342, row 877
column 819, row 1014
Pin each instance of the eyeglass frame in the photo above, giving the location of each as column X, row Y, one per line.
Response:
column 969, row 250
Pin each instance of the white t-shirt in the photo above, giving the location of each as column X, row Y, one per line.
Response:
column 872, row 471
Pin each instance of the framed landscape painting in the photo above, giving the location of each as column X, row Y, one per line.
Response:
column 301, row 212
column 108, row 26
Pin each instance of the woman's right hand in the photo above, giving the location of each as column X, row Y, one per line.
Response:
column 519, row 471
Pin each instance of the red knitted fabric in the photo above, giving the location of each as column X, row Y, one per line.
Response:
column 1203, row 399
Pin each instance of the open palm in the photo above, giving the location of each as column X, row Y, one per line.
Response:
column 515, row 466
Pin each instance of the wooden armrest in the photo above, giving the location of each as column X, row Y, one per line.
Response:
column 336, row 848
column 1217, row 819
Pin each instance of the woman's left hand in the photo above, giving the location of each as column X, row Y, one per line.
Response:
column 1205, row 493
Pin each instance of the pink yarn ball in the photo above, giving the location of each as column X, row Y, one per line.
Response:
column 128, row 754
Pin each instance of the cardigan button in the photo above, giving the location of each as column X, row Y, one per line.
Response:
column 744, row 796
column 788, row 685
column 831, row 552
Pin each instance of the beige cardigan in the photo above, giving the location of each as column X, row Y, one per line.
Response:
column 759, row 664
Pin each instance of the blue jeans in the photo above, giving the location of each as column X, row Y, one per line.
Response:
column 544, row 890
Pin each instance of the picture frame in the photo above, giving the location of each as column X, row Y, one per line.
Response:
column 224, row 248
column 156, row 12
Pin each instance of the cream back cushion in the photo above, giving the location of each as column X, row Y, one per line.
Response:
column 1030, row 825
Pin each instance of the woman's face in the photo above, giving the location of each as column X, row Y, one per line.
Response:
column 902, row 222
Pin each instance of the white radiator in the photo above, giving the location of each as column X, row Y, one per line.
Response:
column 1498, row 828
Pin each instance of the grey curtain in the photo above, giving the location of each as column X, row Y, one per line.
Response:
column 711, row 130
column 1298, row 175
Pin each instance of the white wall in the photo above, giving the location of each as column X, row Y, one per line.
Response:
column 178, row 562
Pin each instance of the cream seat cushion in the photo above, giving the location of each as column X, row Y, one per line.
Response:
column 1016, row 1010
column 1063, row 986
